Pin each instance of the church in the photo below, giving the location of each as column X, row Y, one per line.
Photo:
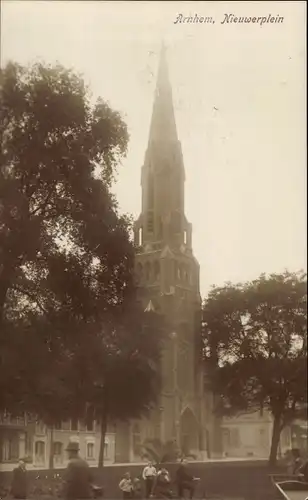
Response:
column 168, row 277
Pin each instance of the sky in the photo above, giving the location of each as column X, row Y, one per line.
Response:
column 239, row 94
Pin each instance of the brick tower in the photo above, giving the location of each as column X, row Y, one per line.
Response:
column 168, row 273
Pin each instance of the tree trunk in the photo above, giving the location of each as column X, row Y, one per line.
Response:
column 51, row 450
column 275, row 441
column 4, row 286
column 103, row 423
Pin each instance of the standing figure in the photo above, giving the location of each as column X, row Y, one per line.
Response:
column 163, row 484
column 126, row 486
column 185, row 480
column 137, row 493
column 19, row 488
column 149, row 475
column 77, row 477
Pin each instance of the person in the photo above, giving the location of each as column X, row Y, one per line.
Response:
column 126, row 486
column 77, row 477
column 19, row 488
column 149, row 475
column 185, row 480
column 297, row 460
column 303, row 471
column 137, row 493
column 163, row 484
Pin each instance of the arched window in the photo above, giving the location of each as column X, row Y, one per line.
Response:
column 140, row 237
column 150, row 224
column 150, row 191
column 40, row 451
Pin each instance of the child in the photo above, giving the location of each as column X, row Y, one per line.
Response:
column 126, row 486
column 137, row 488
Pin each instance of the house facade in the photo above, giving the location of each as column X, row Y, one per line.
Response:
column 24, row 437
column 250, row 435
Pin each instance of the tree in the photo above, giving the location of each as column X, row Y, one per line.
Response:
column 121, row 370
column 71, row 328
column 255, row 347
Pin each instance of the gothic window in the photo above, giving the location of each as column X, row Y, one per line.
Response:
column 140, row 237
column 150, row 191
column 185, row 237
column 150, row 222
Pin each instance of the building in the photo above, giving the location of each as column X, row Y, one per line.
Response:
column 26, row 438
column 168, row 278
column 250, row 435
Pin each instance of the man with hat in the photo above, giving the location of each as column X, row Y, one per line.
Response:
column 77, row 478
column 19, row 487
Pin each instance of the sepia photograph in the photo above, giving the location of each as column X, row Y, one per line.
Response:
column 153, row 250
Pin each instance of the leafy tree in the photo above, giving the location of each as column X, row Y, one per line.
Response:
column 71, row 329
column 121, row 370
column 255, row 347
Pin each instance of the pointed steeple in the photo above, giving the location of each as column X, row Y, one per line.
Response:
column 163, row 127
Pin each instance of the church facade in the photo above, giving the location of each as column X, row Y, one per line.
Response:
column 168, row 277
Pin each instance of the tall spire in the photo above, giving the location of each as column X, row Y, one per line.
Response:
column 163, row 127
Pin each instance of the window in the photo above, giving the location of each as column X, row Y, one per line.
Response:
column 57, row 448
column 262, row 438
column 90, row 450
column 150, row 222
column 10, row 448
column 40, row 428
column 150, row 192
column 74, row 424
column 185, row 237
column 234, row 438
column 90, row 425
column 58, row 426
column 106, row 450
column 140, row 237
column 40, row 451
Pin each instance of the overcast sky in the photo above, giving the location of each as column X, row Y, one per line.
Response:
column 240, row 105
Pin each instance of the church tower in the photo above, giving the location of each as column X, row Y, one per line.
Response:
column 168, row 277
